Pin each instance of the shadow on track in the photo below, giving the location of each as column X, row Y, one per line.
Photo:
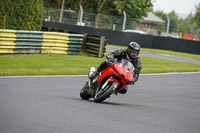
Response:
column 107, row 103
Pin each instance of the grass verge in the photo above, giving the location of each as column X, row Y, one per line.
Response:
column 165, row 52
column 52, row 64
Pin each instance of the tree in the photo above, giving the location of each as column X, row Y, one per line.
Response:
column 21, row 14
column 182, row 26
column 190, row 24
column 173, row 21
column 197, row 14
column 162, row 16
column 100, row 5
column 133, row 8
column 198, row 33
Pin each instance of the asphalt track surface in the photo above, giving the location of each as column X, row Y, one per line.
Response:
column 167, row 103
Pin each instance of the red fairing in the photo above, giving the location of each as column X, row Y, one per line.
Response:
column 112, row 79
column 120, row 74
column 105, row 73
column 119, row 68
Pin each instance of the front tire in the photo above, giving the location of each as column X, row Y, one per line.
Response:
column 84, row 92
column 101, row 95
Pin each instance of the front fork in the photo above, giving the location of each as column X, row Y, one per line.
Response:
column 93, row 86
column 96, row 86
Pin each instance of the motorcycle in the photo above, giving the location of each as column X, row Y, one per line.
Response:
column 109, row 81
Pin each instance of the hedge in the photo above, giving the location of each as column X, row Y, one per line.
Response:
column 21, row 14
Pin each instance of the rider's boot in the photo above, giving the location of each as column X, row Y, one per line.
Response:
column 124, row 90
column 95, row 73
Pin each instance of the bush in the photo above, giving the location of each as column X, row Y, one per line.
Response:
column 21, row 14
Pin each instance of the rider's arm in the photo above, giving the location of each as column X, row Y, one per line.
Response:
column 138, row 68
column 115, row 54
column 110, row 55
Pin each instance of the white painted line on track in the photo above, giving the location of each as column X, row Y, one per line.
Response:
column 60, row 76
column 172, row 73
column 43, row 76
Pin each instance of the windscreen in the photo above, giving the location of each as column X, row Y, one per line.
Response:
column 128, row 65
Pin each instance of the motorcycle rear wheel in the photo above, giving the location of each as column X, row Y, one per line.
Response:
column 84, row 92
column 106, row 93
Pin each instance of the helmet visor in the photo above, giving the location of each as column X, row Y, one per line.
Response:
column 133, row 53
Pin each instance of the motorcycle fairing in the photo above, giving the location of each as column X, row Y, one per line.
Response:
column 121, row 73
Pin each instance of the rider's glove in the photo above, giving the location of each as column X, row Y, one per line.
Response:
column 112, row 60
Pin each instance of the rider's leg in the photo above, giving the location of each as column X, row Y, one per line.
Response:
column 124, row 90
column 102, row 66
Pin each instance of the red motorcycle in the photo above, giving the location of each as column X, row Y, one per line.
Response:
column 109, row 81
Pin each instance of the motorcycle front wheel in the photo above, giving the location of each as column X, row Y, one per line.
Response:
column 84, row 92
column 103, row 94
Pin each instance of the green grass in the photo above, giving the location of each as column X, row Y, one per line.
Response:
column 166, row 52
column 46, row 64
column 153, row 65
column 53, row 64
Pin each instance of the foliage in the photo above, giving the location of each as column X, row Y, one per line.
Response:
column 133, row 8
column 197, row 14
column 173, row 17
column 52, row 3
column 190, row 24
column 198, row 33
column 182, row 26
column 162, row 16
column 178, row 25
column 21, row 14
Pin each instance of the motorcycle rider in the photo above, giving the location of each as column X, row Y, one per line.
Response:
column 130, row 54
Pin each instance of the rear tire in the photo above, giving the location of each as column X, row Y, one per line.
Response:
column 105, row 94
column 84, row 92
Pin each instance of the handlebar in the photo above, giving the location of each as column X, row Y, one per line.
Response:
column 112, row 61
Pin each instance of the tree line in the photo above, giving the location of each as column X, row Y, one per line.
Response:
column 27, row 14
column 189, row 24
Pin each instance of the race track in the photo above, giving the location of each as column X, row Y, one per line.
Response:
column 156, row 104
